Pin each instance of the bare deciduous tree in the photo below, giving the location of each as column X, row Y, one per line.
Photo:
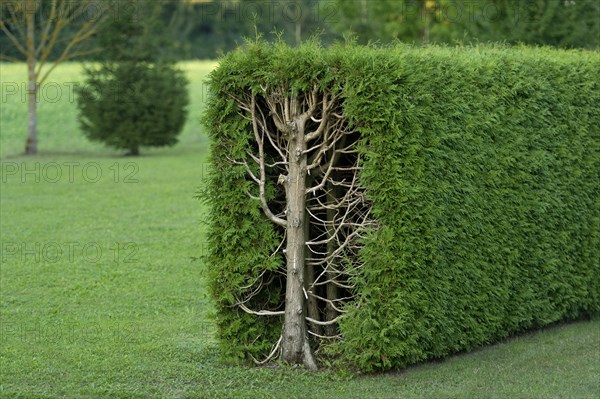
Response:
column 303, row 143
column 21, row 19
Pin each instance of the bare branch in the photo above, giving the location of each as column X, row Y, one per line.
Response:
column 260, row 363
column 312, row 104
column 15, row 22
column 331, row 281
column 260, row 312
column 262, row 179
column 337, row 336
column 263, row 123
column 88, row 29
column 248, row 170
column 324, row 323
column 10, row 58
column 279, row 124
column 328, row 301
column 253, row 282
column 66, row 55
column 46, row 30
column 327, row 105
column 13, row 39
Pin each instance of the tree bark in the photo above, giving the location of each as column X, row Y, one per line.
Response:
column 32, row 87
column 298, row 25
column 426, row 22
column 313, row 306
column 332, row 289
column 363, row 12
column 295, row 346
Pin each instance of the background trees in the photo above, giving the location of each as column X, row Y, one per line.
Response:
column 559, row 23
column 572, row 23
column 205, row 28
column 36, row 30
column 218, row 26
column 135, row 96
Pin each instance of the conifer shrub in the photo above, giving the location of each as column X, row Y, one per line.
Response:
column 127, row 105
column 481, row 167
column 135, row 95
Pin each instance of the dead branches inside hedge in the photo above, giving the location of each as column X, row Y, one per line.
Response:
column 304, row 149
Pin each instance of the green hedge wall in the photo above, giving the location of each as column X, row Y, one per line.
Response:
column 483, row 166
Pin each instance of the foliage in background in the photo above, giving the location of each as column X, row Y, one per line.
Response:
column 548, row 22
column 135, row 96
column 206, row 28
column 560, row 23
column 482, row 167
column 219, row 26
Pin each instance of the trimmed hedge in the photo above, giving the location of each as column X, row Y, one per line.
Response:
column 483, row 167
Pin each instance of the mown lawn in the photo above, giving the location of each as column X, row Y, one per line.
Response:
column 101, row 295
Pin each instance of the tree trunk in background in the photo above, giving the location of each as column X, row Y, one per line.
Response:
column 295, row 346
column 425, row 11
column 363, row 12
column 299, row 19
column 32, row 140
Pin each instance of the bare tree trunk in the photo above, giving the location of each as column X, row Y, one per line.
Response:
column 133, row 151
column 363, row 12
column 332, row 289
column 32, row 140
column 426, row 22
column 299, row 19
column 298, row 33
column 295, row 346
column 313, row 306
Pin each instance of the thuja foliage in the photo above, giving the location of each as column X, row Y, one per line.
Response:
column 481, row 170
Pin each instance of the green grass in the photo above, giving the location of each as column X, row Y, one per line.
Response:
column 133, row 323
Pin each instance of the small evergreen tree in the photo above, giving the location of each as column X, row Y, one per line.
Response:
column 135, row 96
